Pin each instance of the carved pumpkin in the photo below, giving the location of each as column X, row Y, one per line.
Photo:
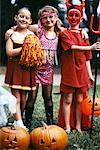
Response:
column 14, row 139
column 51, row 137
column 87, row 106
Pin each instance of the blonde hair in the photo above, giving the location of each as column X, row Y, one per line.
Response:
column 24, row 8
column 48, row 8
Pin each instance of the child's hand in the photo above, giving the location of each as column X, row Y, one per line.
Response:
column 84, row 35
column 14, row 28
column 8, row 33
column 91, row 82
column 59, row 25
column 96, row 46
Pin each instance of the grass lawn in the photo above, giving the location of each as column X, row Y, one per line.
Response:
column 75, row 140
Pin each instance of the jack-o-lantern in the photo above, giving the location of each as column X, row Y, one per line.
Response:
column 14, row 138
column 51, row 137
column 87, row 106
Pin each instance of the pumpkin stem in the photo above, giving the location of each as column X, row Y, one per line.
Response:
column 11, row 126
column 44, row 124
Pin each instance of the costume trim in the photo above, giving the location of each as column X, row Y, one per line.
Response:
column 20, row 87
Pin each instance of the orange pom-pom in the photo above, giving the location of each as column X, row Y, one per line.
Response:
column 31, row 53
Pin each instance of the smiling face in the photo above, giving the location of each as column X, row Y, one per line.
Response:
column 23, row 18
column 48, row 19
column 74, row 17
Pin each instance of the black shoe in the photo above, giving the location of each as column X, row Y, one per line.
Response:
column 28, row 125
column 49, row 115
column 28, row 117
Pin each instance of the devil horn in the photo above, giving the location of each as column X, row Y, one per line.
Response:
column 83, row 3
column 67, row 3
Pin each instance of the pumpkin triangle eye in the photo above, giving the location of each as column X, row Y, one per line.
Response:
column 89, row 101
column 96, row 104
column 15, row 139
column 53, row 140
column 8, row 138
column 42, row 142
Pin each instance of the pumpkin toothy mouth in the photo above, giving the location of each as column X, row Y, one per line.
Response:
column 14, row 138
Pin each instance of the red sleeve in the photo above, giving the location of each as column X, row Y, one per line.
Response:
column 88, row 53
column 66, row 41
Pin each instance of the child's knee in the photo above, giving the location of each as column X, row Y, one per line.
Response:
column 67, row 98
column 79, row 101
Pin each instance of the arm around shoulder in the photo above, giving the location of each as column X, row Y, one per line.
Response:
column 33, row 27
column 8, row 33
column 84, row 34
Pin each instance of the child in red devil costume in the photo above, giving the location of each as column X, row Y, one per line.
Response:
column 74, row 71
